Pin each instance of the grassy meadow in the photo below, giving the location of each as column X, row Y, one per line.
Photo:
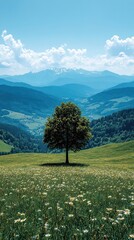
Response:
column 4, row 147
column 92, row 198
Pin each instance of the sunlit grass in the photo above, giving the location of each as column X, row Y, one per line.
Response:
column 93, row 198
column 4, row 147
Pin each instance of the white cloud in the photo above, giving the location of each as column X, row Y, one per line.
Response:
column 10, row 41
column 16, row 59
column 115, row 46
column 79, row 52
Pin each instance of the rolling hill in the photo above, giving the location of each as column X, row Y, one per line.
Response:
column 116, row 156
column 68, row 91
column 107, row 102
column 124, row 85
column 64, row 91
column 14, row 84
column 26, row 108
column 25, row 100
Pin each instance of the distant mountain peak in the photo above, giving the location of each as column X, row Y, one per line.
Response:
column 59, row 70
column 59, row 76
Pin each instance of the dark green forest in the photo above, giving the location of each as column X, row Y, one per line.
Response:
column 20, row 140
column 118, row 127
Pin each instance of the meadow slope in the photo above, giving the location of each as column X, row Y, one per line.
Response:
column 114, row 155
column 93, row 198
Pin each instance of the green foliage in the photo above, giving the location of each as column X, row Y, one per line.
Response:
column 66, row 129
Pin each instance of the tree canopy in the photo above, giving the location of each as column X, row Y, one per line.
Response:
column 67, row 129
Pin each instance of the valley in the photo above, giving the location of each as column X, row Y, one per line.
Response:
column 27, row 107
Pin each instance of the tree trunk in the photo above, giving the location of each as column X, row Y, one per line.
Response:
column 67, row 158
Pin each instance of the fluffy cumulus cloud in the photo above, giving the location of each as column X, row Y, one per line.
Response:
column 120, row 54
column 116, row 46
column 16, row 59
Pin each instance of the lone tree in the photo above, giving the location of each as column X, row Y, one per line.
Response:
column 67, row 129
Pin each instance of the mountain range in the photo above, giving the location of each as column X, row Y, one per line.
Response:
column 57, row 77
column 28, row 106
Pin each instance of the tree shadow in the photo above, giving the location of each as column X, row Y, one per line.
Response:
column 63, row 165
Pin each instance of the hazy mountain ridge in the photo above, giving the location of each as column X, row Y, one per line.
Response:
column 14, row 84
column 68, row 91
column 64, row 91
column 124, row 85
column 96, row 80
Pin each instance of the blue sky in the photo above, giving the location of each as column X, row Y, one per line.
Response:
column 72, row 24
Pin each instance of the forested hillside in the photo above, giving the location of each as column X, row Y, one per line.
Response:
column 118, row 127
column 19, row 139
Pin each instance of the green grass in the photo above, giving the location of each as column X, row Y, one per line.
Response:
column 119, row 155
column 93, row 198
column 5, row 147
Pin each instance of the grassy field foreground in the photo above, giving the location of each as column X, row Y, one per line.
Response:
column 93, row 198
